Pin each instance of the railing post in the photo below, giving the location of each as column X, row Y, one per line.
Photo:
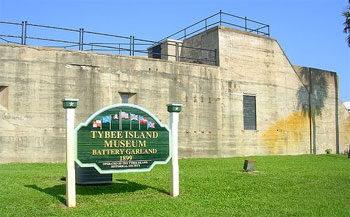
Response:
column 184, row 33
column 82, row 38
column 119, row 48
column 79, row 38
column 24, row 33
column 220, row 17
column 245, row 23
column 130, row 52
column 22, row 38
column 268, row 30
column 206, row 24
column 133, row 45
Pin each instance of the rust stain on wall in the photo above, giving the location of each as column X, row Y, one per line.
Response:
column 288, row 134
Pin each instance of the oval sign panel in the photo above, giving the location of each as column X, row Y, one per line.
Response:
column 122, row 138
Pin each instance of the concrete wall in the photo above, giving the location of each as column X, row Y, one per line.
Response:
column 211, row 124
column 257, row 65
column 344, row 128
column 329, row 118
column 207, row 44
column 32, row 128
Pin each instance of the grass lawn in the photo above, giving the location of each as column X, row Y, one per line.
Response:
column 305, row 185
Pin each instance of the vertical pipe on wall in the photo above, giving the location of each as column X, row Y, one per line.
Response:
column 216, row 57
column 310, row 113
column 336, row 86
column 176, row 51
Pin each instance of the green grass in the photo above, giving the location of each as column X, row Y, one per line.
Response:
column 306, row 185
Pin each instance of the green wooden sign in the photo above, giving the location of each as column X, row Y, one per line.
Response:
column 122, row 138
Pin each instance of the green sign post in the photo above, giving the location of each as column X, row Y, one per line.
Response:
column 69, row 105
column 122, row 138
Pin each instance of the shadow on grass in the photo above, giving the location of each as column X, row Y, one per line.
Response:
column 122, row 186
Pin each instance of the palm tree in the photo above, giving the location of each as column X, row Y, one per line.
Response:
column 346, row 14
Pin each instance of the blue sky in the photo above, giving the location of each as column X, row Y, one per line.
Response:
column 310, row 31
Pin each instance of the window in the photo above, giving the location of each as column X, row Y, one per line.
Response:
column 125, row 97
column 4, row 96
column 249, row 112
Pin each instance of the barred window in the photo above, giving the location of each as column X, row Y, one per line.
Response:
column 249, row 112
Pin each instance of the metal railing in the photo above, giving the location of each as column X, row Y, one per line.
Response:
column 220, row 19
column 77, row 39
column 80, row 39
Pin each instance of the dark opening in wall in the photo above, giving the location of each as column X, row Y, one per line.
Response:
column 249, row 112
column 156, row 52
column 4, row 96
column 126, row 98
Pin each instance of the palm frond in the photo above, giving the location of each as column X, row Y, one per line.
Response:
column 346, row 29
column 346, row 15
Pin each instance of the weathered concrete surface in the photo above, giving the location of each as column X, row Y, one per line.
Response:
column 329, row 118
column 32, row 128
column 208, row 44
column 257, row 65
column 211, row 124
